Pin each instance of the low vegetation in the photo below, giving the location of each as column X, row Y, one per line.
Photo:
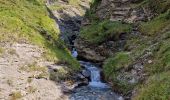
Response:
column 1, row 51
column 59, row 74
column 156, row 25
column 16, row 95
column 111, row 69
column 99, row 32
column 155, row 88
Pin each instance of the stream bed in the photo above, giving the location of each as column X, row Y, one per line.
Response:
column 96, row 89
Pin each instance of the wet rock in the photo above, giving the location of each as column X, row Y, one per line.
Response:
column 86, row 73
column 80, row 76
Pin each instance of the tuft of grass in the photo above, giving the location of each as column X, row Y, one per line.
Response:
column 16, row 95
column 59, row 74
column 1, row 50
column 156, row 88
column 12, row 52
column 99, row 32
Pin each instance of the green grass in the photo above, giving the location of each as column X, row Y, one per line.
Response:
column 28, row 20
column 159, row 6
column 74, row 2
column 156, row 25
column 1, row 50
column 99, row 32
column 56, row 6
column 156, row 88
column 161, row 58
column 113, row 64
column 91, row 13
column 112, row 67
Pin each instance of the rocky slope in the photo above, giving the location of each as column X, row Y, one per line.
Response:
column 24, row 74
column 136, row 51
column 68, row 16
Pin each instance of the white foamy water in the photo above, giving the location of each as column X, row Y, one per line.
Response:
column 94, row 75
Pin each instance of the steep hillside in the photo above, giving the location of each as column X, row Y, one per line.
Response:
column 135, row 45
column 30, row 51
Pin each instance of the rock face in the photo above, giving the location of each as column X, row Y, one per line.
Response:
column 121, row 10
column 98, row 53
column 69, row 17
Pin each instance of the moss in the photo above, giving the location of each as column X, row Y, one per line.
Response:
column 99, row 32
column 156, row 88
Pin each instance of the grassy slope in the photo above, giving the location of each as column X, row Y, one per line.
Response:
column 27, row 20
column 158, row 84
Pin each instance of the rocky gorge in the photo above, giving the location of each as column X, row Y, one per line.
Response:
column 126, row 52
column 84, row 50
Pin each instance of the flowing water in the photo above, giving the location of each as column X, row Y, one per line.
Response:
column 94, row 75
column 96, row 89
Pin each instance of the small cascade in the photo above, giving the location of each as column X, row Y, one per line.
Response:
column 96, row 89
column 94, row 75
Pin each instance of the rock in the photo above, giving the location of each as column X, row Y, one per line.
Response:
column 80, row 76
column 86, row 73
column 149, row 61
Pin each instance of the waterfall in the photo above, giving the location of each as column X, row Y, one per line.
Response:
column 94, row 75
